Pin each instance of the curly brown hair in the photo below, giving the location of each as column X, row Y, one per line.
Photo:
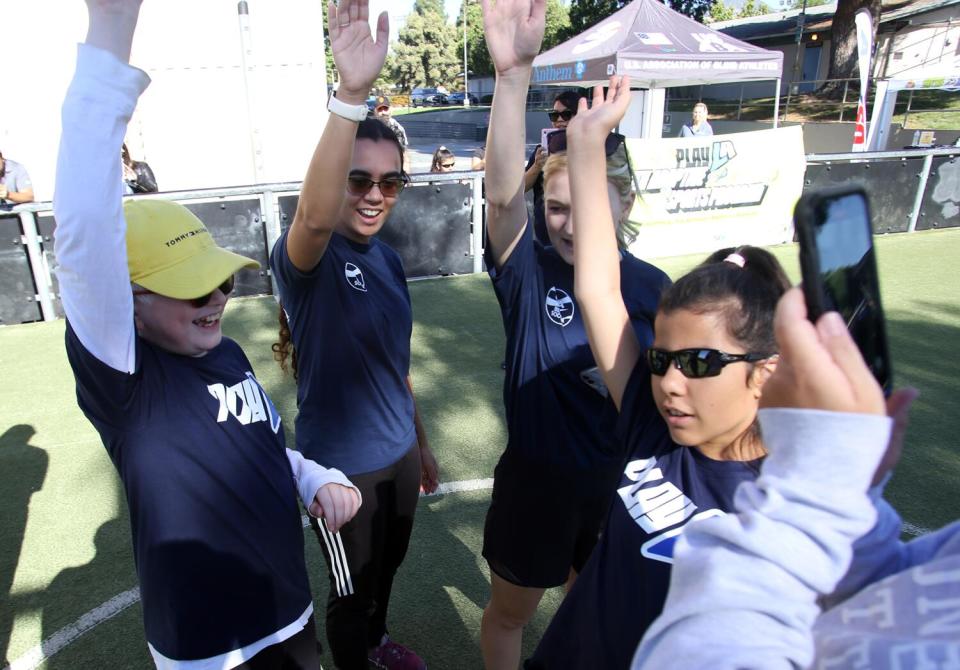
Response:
column 283, row 348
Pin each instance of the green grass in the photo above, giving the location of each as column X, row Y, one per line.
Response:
column 64, row 534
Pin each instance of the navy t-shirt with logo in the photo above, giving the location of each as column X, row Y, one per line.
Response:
column 350, row 321
column 555, row 415
column 624, row 584
column 217, row 536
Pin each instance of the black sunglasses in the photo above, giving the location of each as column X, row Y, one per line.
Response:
column 390, row 187
column 226, row 288
column 697, row 363
column 557, row 142
column 448, row 166
column 566, row 115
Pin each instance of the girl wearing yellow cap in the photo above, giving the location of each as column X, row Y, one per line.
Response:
column 198, row 444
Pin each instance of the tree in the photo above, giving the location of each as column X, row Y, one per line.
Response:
column 720, row 11
column 424, row 54
column 843, row 40
column 557, row 24
column 478, row 58
column 751, row 8
column 332, row 75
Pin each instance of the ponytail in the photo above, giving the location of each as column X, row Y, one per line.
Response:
column 284, row 347
column 743, row 285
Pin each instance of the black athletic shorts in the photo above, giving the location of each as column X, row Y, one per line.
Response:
column 544, row 520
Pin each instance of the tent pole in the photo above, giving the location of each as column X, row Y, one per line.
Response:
column 776, row 105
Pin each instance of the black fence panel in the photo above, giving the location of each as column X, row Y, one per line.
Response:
column 18, row 301
column 237, row 225
column 429, row 227
column 940, row 207
column 891, row 186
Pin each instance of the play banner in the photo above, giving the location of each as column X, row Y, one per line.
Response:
column 864, row 22
column 698, row 194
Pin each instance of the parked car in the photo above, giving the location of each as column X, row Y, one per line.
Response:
column 427, row 97
column 457, row 98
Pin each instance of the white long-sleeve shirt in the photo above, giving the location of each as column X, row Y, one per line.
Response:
column 747, row 589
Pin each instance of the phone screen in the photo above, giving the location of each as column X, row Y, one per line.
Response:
column 848, row 273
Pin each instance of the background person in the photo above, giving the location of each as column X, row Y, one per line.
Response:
column 15, row 185
column 347, row 313
column 564, row 109
column 137, row 174
column 382, row 111
column 698, row 126
column 688, row 406
column 555, row 479
column 198, row 445
column 443, row 160
column 811, row 572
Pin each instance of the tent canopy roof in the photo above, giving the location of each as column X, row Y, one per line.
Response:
column 658, row 48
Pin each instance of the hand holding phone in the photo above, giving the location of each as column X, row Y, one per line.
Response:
column 839, row 269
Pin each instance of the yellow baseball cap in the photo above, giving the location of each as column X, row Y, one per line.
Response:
column 171, row 252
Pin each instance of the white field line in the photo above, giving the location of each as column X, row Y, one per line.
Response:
column 66, row 635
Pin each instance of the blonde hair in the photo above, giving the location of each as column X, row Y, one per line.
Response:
column 618, row 175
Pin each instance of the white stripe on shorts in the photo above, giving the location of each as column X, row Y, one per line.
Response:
column 338, row 560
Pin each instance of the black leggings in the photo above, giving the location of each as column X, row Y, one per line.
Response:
column 363, row 557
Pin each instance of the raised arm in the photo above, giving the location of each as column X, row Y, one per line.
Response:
column 359, row 60
column 514, row 30
column 596, row 256
column 90, row 236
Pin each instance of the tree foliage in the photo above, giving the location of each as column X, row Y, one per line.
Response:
column 425, row 51
column 843, row 39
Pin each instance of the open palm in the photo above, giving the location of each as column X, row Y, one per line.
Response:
column 604, row 113
column 514, row 31
column 359, row 59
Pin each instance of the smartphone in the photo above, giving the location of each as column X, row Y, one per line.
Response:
column 839, row 270
column 545, row 136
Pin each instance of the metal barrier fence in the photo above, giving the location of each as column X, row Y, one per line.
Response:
column 437, row 227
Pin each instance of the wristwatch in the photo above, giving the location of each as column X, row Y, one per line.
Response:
column 349, row 112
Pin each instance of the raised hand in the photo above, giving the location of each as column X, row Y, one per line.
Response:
column 359, row 59
column 820, row 366
column 111, row 25
column 514, row 31
column 603, row 114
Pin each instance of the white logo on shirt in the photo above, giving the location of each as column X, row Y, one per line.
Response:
column 354, row 277
column 246, row 401
column 653, row 508
column 559, row 306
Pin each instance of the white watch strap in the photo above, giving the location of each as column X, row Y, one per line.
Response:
column 349, row 112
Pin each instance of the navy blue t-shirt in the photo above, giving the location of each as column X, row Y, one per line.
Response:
column 217, row 536
column 553, row 415
column 350, row 321
column 624, row 584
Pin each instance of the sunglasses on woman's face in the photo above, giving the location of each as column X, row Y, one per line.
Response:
column 447, row 166
column 390, row 187
column 557, row 142
column 697, row 363
column 226, row 288
column 566, row 115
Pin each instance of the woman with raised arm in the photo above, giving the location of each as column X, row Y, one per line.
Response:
column 688, row 407
column 346, row 312
column 197, row 443
column 557, row 474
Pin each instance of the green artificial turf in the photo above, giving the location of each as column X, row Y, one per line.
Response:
column 64, row 532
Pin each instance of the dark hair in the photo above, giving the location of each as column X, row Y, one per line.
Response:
column 569, row 99
column 3, row 168
column 372, row 128
column 745, row 297
column 284, row 347
column 440, row 155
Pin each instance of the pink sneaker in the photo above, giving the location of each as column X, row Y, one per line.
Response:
column 393, row 656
